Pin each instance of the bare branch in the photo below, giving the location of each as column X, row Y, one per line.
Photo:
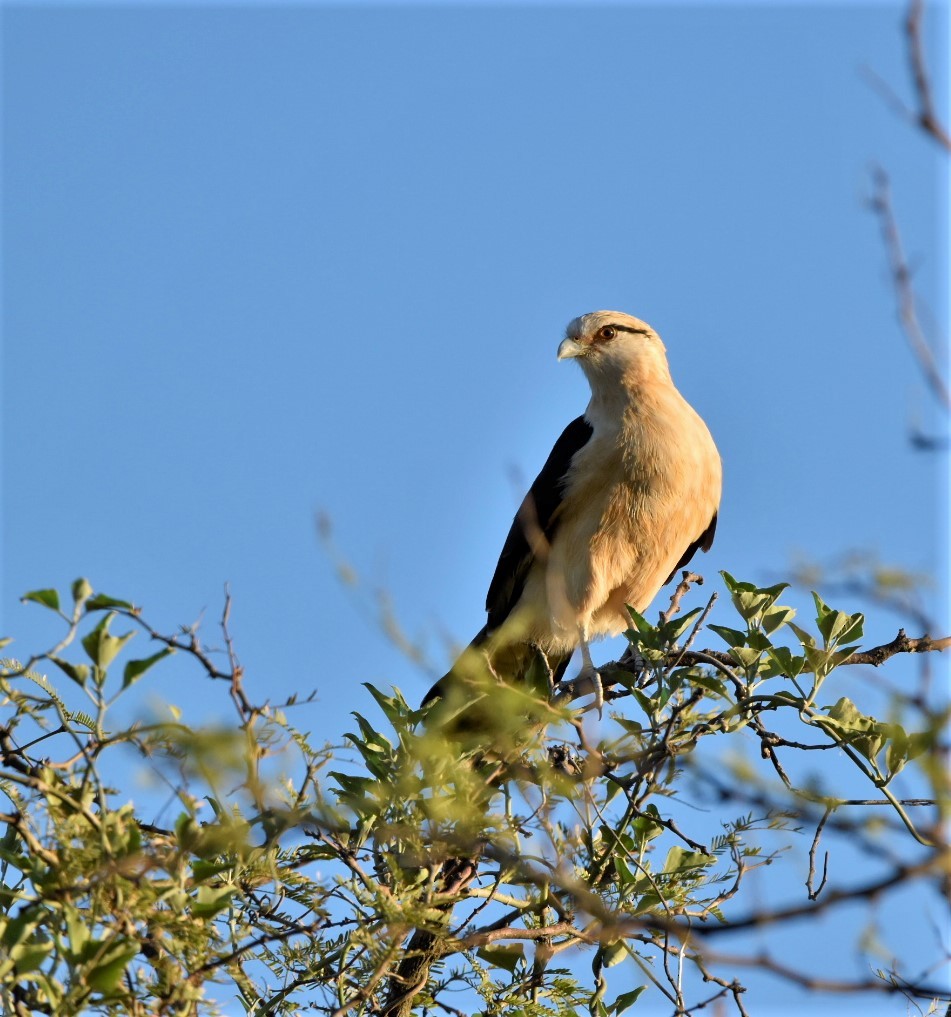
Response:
column 927, row 117
column 687, row 578
column 923, row 114
column 811, row 888
column 881, row 205
column 899, row 876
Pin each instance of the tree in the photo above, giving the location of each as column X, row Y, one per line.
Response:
column 426, row 875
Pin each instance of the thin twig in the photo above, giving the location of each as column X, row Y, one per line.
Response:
column 881, row 205
column 927, row 116
column 811, row 888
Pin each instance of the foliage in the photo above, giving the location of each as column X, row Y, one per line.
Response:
column 433, row 866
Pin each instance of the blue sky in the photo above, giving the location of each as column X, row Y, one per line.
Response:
column 263, row 262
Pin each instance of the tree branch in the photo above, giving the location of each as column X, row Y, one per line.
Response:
column 881, row 205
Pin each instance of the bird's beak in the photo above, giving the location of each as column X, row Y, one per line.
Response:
column 571, row 348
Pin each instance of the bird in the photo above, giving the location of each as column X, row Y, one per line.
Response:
column 629, row 493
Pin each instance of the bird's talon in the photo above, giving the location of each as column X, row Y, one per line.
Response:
column 590, row 676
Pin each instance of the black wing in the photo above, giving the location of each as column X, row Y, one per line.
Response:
column 534, row 525
column 704, row 542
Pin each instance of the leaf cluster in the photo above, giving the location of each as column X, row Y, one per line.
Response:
column 422, row 863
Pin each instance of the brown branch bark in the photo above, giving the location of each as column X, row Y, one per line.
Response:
column 927, row 116
column 923, row 113
column 890, row 986
column 425, row 946
column 758, row 919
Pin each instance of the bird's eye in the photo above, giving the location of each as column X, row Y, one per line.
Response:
column 607, row 333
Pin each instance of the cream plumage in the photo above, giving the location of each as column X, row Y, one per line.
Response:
column 630, row 491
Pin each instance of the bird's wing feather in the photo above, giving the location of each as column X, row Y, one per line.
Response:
column 534, row 525
column 704, row 542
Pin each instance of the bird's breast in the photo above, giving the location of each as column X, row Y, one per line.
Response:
column 636, row 497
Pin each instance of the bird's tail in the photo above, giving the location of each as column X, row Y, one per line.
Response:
column 472, row 659
column 490, row 681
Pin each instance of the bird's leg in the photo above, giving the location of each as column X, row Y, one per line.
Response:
column 547, row 669
column 589, row 673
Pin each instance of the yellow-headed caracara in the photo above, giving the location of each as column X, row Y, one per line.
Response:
column 628, row 494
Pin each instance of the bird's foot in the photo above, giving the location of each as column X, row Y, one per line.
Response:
column 593, row 676
column 588, row 675
column 635, row 663
column 587, row 681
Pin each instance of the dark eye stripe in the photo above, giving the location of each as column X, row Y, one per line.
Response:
column 598, row 337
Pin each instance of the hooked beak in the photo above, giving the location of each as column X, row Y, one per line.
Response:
column 571, row 348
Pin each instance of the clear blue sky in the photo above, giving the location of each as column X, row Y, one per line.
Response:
column 264, row 261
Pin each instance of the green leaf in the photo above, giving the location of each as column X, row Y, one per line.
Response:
column 104, row 977
column 134, row 669
column 641, row 624
column 613, row 789
column 837, row 626
column 647, row 903
column 626, row 874
column 848, row 715
column 752, row 602
column 103, row 603
column 20, row 928
column 789, row 699
column 758, row 640
column 845, row 722
column 614, row 953
column 504, row 956
column 78, row 672
column 896, row 753
column 626, row 1000
column 48, row 598
column 710, row 683
column 78, row 717
column 680, row 860
column 920, row 742
column 29, row 956
column 395, row 708
column 101, row 646
column 820, row 661
column 82, row 591
column 744, row 656
column 210, row 900
column 646, row 827
column 372, row 741
column 644, row 702
column 202, row 870
column 676, row 627
column 804, row 637
column 78, row 932
column 731, row 584
column 782, row 661
column 776, row 617
column 732, row 637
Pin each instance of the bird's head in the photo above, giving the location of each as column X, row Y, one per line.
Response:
column 612, row 345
